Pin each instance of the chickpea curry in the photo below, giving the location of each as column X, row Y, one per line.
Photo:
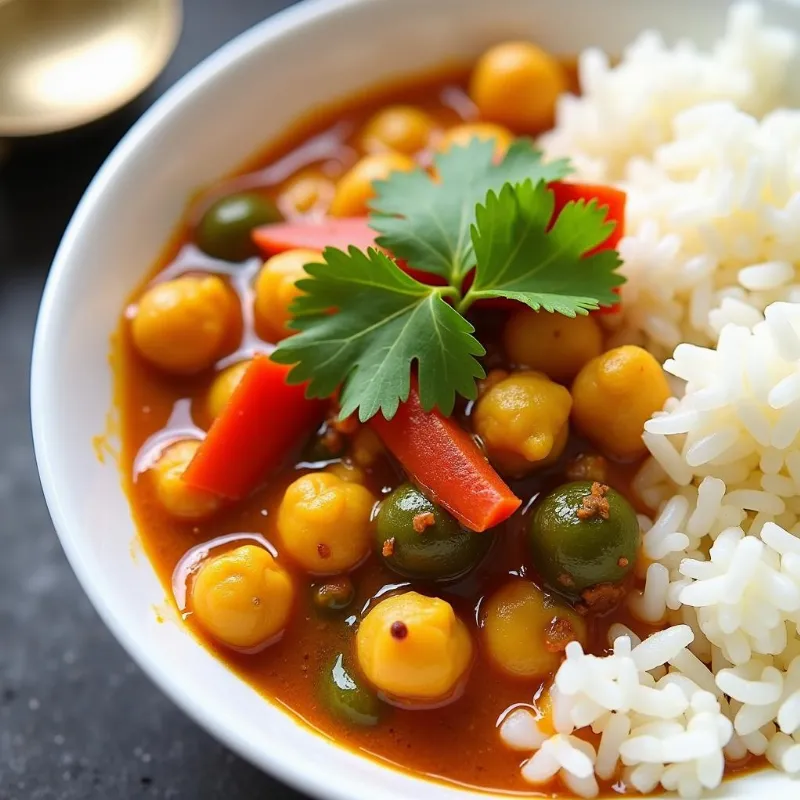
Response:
column 374, row 440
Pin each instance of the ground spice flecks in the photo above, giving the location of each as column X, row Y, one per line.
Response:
column 595, row 504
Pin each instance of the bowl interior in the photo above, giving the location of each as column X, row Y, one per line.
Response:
column 240, row 98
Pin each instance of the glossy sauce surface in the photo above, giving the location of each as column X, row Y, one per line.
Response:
column 457, row 742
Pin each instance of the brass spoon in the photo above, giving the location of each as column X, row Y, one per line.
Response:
column 64, row 63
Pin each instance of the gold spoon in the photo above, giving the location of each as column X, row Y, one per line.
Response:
column 64, row 63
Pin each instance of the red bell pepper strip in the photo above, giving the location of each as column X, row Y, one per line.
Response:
column 339, row 233
column 443, row 459
column 609, row 197
column 254, row 433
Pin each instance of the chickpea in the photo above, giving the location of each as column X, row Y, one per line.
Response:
column 462, row 135
column 276, row 290
column 176, row 496
column 223, row 386
column 307, row 192
column 403, row 129
column 524, row 631
column 367, row 447
column 243, row 597
column 517, row 84
column 181, row 325
column 414, row 647
column 552, row 343
column 354, row 189
column 614, row 395
column 523, row 421
column 347, row 472
column 325, row 523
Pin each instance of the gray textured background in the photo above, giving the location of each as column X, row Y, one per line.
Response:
column 78, row 721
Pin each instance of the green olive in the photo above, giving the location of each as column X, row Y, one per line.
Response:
column 224, row 229
column 417, row 539
column 346, row 698
column 583, row 536
column 334, row 595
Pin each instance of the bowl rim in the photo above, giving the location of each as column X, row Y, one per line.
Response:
column 292, row 771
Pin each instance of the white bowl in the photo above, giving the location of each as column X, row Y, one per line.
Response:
column 239, row 98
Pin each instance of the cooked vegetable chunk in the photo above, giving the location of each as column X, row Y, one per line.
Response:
column 223, row 386
column 418, row 539
column 334, row 594
column 414, row 648
column 308, row 192
column 442, row 458
column 461, row 135
column 553, row 344
column 584, row 539
column 354, row 190
column 517, row 84
column 181, row 325
column 178, row 498
column 345, row 697
column 403, row 129
column 523, row 421
column 224, row 231
column 275, row 290
column 324, row 523
column 524, row 630
column 243, row 597
column 614, row 395
column 244, row 443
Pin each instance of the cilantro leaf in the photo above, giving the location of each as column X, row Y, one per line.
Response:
column 427, row 222
column 384, row 320
column 522, row 258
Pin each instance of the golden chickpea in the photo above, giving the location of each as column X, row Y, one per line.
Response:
column 552, row 343
column 243, row 597
column 276, row 290
column 614, row 395
column 223, row 386
column 403, row 129
column 182, row 325
column 325, row 523
column 462, row 135
column 524, row 631
column 354, row 190
column 517, row 84
column 176, row 496
column 523, row 422
column 308, row 191
column 367, row 447
column 414, row 647
column 347, row 472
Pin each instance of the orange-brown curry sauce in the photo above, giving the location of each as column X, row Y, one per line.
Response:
column 457, row 742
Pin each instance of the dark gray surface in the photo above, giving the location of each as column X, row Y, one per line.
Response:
column 78, row 721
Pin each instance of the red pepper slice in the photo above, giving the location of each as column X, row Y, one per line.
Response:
column 262, row 421
column 331, row 232
column 443, row 459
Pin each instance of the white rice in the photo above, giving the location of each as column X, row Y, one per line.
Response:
column 711, row 167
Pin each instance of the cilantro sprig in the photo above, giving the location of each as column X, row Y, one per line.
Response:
column 363, row 323
column 427, row 221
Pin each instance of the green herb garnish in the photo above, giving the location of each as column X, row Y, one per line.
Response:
column 427, row 223
column 363, row 322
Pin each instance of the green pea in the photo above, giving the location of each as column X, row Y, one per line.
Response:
column 418, row 539
column 347, row 699
column 225, row 229
column 334, row 595
column 574, row 548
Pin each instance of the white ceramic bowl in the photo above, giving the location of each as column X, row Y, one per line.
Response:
column 239, row 98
